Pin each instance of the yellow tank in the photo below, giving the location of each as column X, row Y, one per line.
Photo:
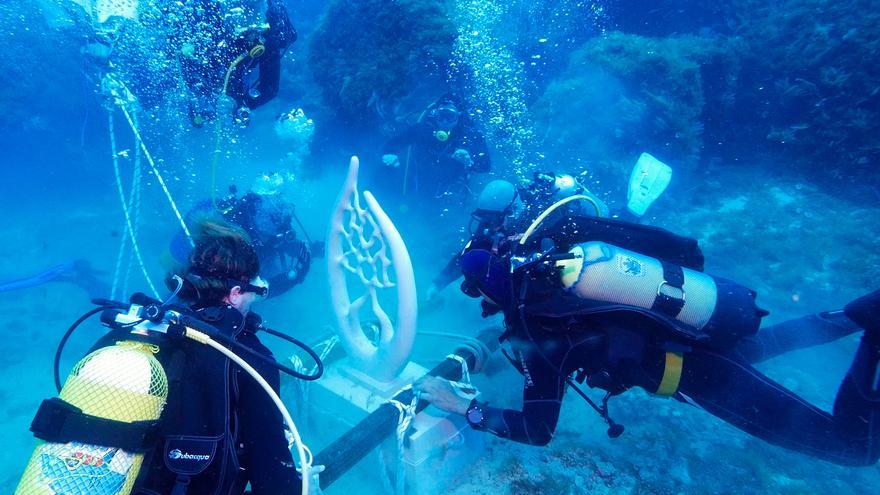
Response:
column 123, row 382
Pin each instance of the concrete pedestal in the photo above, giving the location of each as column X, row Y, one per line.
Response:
column 439, row 447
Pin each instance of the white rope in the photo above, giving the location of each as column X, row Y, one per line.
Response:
column 134, row 243
column 156, row 172
column 404, row 421
column 134, row 206
column 465, row 371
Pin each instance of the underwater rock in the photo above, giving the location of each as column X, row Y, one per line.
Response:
column 367, row 55
column 811, row 90
column 623, row 94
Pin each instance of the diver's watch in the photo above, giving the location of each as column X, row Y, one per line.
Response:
column 475, row 415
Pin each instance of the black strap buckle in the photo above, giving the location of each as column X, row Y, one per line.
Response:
column 670, row 293
column 61, row 422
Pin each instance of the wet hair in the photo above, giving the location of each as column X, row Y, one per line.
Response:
column 222, row 256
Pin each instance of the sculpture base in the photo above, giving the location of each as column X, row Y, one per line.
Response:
column 439, row 446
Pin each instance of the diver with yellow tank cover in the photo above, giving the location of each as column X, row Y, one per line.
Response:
column 180, row 397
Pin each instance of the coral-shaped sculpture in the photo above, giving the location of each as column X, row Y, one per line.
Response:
column 364, row 245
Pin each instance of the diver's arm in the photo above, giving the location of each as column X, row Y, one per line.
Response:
column 450, row 273
column 542, row 399
column 407, row 137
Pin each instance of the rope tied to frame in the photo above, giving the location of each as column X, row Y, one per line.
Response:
column 407, row 412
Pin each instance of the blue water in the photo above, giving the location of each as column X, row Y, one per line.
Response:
column 766, row 111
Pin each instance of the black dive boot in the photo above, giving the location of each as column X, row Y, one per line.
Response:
column 865, row 370
column 865, row 311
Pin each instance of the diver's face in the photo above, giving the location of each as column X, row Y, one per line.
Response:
column 242, row 299
column 447, row 117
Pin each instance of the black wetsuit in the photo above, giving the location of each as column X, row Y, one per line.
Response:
column 619, row 350
column 218, row 411
column 427, row 162
column 216, row 46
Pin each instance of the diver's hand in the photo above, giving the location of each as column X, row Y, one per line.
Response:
column 391, row 160
column 442, row 394
column 462, row 156
column 314, row 479
column 432, row 293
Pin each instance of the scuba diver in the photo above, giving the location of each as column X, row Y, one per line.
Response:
column 175, row 398
column 619, row 305
column 221, row 61
column 503, row 206
column 267, row 219
column 436, row 154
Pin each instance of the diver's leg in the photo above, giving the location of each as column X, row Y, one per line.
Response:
column 739, row 394
column 866, row 311
column 795, row 334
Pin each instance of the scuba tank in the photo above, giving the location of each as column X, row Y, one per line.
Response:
column 603, row 272
column 111, row 398
column 698, row 306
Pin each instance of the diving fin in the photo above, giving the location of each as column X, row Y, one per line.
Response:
column 648, row 180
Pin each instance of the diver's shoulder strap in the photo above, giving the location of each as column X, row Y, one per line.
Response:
column 60, row 422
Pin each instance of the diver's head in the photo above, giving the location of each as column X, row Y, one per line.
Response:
column 498, row 202
column 446, row 115
column 223, row 268
column 486, row 275
column 565, row 185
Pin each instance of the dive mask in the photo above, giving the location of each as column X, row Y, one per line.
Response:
column 258, row 286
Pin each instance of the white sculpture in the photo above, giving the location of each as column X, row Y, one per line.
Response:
column 365, row 243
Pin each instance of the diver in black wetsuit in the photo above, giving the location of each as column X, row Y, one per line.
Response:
column 285, row 259
column 434, row 156
column 220, row 59
column 616, row 341
column 503, row 206
column 217, row 415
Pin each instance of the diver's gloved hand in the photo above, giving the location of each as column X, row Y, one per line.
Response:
column 314, row 479
column 442, row 394
column 464, row 157
column 432, row 294
column 302, row 261
column 391, row 160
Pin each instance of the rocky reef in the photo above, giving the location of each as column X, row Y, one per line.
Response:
column 810, row 78
column 624, row 93
column 366, row 56
column 795, row 79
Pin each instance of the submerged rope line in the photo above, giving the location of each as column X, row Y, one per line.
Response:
column 156, row 172
column 125, row 211
column 135, row 201
column 134, row 205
